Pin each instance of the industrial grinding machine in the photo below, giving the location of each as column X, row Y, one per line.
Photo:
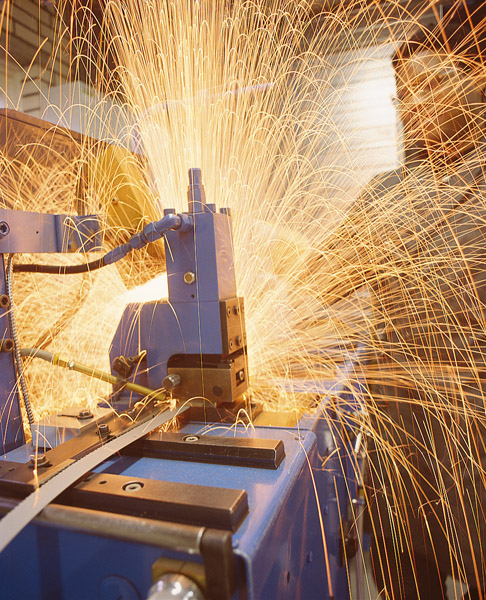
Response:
column 104, row 505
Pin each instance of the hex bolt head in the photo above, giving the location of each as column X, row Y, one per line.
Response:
column 104, row 430
column 190, row 438
column 189, row 277
column 132, row 486
column 38, row 460
column 85, row 414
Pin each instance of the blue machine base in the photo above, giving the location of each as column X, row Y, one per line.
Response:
column 279, row 547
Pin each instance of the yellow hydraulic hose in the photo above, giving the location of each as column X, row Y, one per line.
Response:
column 56, row 359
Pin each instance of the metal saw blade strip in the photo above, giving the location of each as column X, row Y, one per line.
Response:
column 19, row 517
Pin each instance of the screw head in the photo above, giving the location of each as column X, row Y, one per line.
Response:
column 4, row 301
column 4, row 228
column 240, row 376
column 236, row 309
column 85, row 414
column 38, row 460
column 132, row 486
column 189, row 277
column 104, row 430
column 231, row 344
column 7, row 345
column 190, row 438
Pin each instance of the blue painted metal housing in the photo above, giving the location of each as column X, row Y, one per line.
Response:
column 22, row 231
column 279, row 548
column 288, row 547
column 190, row 322
column 11, row 428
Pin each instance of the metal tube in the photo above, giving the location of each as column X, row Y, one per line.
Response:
column 172, row 536
column 55, row 359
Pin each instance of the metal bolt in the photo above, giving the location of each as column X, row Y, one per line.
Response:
column 236, row 310
column 133, row 486
column 228, row 311
column 238, row 340
column 85, row 414
column 4, row 228
column 38, row 460
column 190, row 438
column 6, row 345
column 231, row 344
column 189, row 277
column 240, row 376
column 4, row 301
column 104, row 430
column 171, row 381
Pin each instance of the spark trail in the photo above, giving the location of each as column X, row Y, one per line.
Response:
column 245, row 90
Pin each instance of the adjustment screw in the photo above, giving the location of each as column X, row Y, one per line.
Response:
column 104, row 430
column 38, row 460
column 85, row 414
column 190, row 438
column 189, row 277
column 171, row 381
column 132, row 486
column 4, row 228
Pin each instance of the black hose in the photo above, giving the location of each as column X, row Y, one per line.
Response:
column 60, row 269
column 150, row 233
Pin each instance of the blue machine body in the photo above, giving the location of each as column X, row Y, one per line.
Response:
column 11, row 428
column 279, row 547
column 191, row 318
column 22, row 231
column 289, row 545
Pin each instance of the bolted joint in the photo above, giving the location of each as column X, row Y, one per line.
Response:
column 189, row 277
column 104, row 431
column 38, row 460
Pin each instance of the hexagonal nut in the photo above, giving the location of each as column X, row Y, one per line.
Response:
column 189, row 277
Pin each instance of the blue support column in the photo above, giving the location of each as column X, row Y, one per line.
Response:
column 11, row 428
